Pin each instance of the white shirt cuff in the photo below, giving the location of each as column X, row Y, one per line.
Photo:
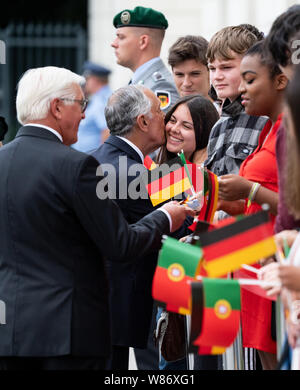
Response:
column 168, row 215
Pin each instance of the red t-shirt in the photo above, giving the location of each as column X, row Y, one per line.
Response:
column 259, row 167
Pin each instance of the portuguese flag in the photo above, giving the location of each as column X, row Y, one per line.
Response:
column 245, row 241
column 177, row 266
column 171, row 179
column 215, row 317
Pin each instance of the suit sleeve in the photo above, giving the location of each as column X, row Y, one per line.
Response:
column 105, row 224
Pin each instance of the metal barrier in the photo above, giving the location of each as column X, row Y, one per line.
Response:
column 36, row 45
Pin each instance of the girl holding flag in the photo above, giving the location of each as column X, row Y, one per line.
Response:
column 288, row 271
column 262, row 87
column 188, row 125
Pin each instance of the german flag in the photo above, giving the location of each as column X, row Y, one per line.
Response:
column 171, row 179
column 215, row 317
column 149, row 163
column 245, row 241
column 177, row 266
column 211, row 191
column 210, row 198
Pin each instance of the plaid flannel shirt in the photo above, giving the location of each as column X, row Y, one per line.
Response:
column 232, row 139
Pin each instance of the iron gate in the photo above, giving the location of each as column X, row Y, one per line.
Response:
column 36, row 45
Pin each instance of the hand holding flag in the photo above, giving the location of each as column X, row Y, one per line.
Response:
column 178, row 213
column 172, row 178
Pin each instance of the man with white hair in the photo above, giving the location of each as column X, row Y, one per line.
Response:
column 55, row 232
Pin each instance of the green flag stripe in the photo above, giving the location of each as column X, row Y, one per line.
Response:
column 187, row 255
column 216, row 289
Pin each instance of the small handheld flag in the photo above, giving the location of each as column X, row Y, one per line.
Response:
column 245, row 241
column 149, row 163
column 215, row 318
column 177, row 265
column 171, row 179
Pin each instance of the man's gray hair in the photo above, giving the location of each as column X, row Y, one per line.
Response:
column 123, row 108
column 39, row 86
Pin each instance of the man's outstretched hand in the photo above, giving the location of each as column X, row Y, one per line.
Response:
column 178, row 213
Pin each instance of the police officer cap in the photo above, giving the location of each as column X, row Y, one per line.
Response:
column 141, row 17
column 90, row 68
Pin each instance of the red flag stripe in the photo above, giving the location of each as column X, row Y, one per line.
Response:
column 211, row 334
column 149, row 163
column 175, row 294
column 237, row 242
column 166, row 181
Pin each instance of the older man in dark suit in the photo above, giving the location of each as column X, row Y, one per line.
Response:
column 55, row 233
column 137, row 128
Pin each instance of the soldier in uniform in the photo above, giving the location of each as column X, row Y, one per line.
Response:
column 139, row 36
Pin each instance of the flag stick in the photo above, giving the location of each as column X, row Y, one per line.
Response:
column 261, row 283
column 181, row 155
column 286, row 247
column 279, row 256
column 249, row 268
column 253, row 282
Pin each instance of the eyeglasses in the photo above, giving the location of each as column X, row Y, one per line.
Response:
column 83, row 102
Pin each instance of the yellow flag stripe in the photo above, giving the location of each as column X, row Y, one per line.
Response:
column 249, row 255
column 183, row 310
column 152, row 166
column 171, row 191
column 217, row 350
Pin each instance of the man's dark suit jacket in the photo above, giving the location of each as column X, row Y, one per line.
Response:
column 130, row 288
column 54, row 236
column 131, row 283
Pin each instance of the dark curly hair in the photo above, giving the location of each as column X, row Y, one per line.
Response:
column 204, row 116
column 266, row 59
column 283, row 31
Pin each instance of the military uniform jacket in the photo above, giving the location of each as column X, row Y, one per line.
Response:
column 158, row 78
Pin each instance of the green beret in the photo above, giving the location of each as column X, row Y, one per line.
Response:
column 140, row 17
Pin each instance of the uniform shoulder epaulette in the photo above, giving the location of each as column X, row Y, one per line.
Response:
column 157, row 76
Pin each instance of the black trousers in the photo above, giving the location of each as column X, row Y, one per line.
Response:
column 119, row 359
column 52, row 363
